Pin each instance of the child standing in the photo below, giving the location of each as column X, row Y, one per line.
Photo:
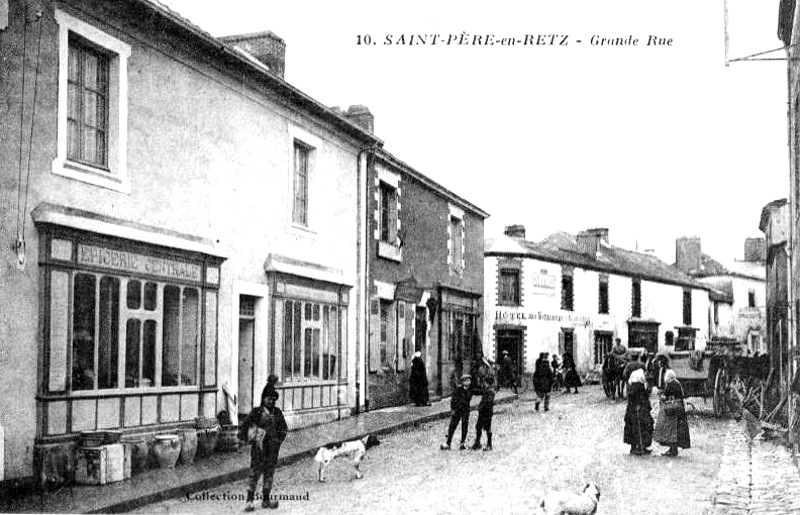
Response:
column 459, row 406
column 485, row 411
column 265, row 429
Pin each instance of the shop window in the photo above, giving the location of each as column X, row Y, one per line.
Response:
column 311, row 350
column 509, row 294
column 180, row 337
column 636, row 298
column 602, row 302
column 92, row 100
column 567, row 286
column 95, row 356
column 687, row 307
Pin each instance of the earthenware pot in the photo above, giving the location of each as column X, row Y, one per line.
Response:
column 167, row 449
column 188, row 445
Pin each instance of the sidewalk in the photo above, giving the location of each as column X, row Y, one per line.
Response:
column 756, row 477
column 158, row 484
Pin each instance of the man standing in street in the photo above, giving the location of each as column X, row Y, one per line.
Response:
column 459, row 412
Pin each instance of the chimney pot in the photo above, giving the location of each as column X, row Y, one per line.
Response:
column 266, row 46
column 361, row 116
column 515, row 231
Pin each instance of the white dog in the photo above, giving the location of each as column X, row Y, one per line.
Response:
column 356, row 449
column 568, row 503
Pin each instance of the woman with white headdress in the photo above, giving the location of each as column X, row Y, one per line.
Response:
column 672, row 427
column 418, row 382
column 638, row 421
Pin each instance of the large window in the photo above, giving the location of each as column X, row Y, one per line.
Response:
column 311, row 344
column 509, row 294
column 87, row 114
column 567, row 285
column 302, row 154
column 92, row 105
column 100, row 354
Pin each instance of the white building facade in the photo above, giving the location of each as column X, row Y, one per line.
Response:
column 575, row 295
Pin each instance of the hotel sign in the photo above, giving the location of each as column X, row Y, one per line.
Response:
column 510, row 316
column 138, row 263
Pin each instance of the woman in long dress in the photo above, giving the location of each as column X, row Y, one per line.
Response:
column 672, row 429
column 418, row 382
column 571, row 377
column 638, row 421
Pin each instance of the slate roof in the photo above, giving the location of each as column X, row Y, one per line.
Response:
column 562, row 247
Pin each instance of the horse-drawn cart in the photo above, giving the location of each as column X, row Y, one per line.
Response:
column 702, row 374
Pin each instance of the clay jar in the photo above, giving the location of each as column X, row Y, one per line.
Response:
column 207, row 435
column 139, row 451
column 188, row 446
column 167, row 449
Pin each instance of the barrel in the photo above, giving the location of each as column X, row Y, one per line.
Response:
column 228, row 439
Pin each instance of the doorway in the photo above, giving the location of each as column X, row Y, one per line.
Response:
column 511, row 340
column 420, row 330
column 247, row 340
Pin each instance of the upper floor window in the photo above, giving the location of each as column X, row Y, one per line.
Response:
column 602, row 301
column 92, row 105
column 456, row 233
column 567, row 294
column 636, row 298
column 509, row 294
column 301, row 168
column 751, row 298
column 687, row 307
column 388, row 213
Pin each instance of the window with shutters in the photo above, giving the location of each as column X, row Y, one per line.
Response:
column 509, row 287
column 92, row 105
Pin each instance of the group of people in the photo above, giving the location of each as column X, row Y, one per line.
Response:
column 459, row 413
column 671, row 429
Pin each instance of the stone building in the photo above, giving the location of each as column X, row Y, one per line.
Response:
column 425, row 280
column 575, row 294
column 774, row 224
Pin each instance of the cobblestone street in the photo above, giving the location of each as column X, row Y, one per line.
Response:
column 579, row 440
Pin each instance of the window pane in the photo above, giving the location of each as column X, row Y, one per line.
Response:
column 191, row 316
column 333, row 344
column 134, row 295
column 89, row 145
column 309, row 309
column 296, row 341
column 325, row 344
column 132, row 339
column 307, row 352
column 315, row 354
column 170, row 339
column 316, row 312
column 108, row 349
column 73, row 101
column 149, row 353
column 150, row 296
column 288, row 332
column 90, row 64
column 90, row 108
column 73, row 140
column 74, row 64
column 83, row 316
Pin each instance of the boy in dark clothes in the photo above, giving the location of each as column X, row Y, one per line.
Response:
column 265, row 428
column 459, row 406
column 269, row 388
column 485, row 411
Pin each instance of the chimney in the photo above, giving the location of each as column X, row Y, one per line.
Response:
column 687, row 254
column 515, row 231
column 267, row 47
column 589, row 240
column 755, row 249
column 361, row 116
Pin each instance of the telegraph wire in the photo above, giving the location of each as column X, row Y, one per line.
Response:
column 33, row 120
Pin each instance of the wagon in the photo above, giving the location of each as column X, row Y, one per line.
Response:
column 706, row 374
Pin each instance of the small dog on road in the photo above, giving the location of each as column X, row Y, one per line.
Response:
column 356, row 449
column 568, row 503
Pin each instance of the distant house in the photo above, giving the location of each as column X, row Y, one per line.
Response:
column 738, row 299
column 575, row 294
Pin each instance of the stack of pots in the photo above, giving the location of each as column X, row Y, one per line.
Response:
column 207, row 435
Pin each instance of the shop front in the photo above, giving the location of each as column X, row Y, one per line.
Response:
column 459, row 342
column 129, row 328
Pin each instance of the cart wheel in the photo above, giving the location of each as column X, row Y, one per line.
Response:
column 720, row 392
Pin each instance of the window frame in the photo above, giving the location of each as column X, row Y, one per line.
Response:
column 751, row 298
column 567, row 289
column 301, row 154
column 312, row 144
column 636, row 298
column 456, row 244
column 114, row 175
column 315, row 319
column 387, row 213
column 687, row 307
column 516, row 298
column 603, row 307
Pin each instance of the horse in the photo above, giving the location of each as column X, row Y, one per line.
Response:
column 613, row 383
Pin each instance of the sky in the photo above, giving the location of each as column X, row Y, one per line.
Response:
column 651, row 142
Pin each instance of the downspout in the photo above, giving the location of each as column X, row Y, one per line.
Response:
column 790, row 291
column 362, row 338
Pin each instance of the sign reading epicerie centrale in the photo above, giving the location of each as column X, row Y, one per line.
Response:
column 131, row 262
